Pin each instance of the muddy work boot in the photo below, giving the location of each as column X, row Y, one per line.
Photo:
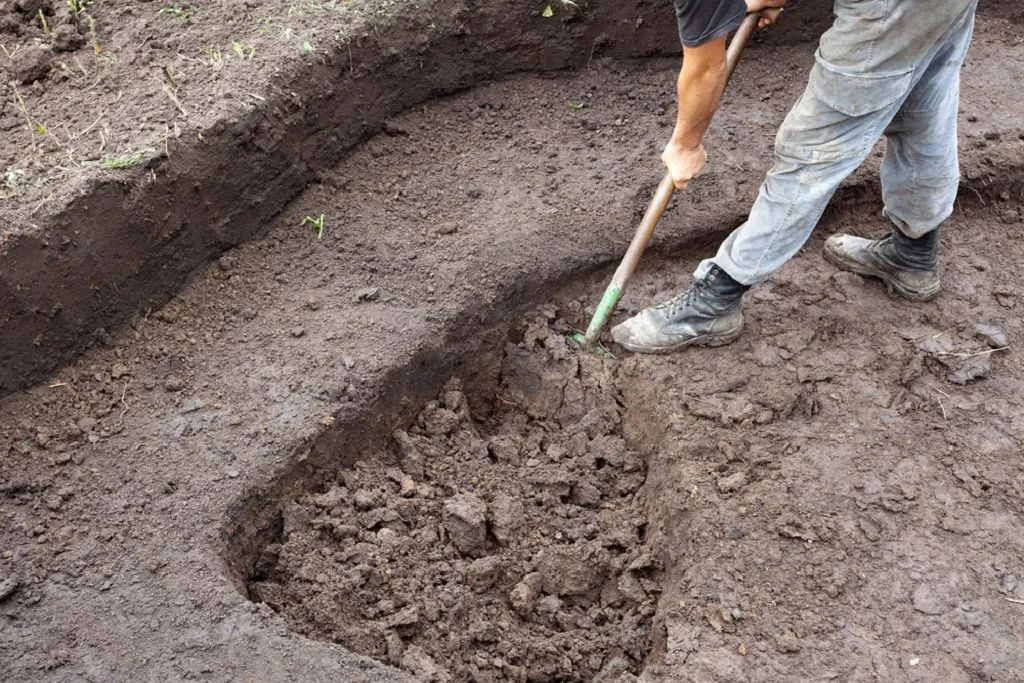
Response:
column 706, row 314
column 908, row 266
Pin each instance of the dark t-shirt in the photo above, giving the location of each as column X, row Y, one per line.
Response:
column 703, row 20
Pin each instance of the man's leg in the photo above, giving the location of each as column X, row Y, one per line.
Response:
column 815, row 149
column 920, row 176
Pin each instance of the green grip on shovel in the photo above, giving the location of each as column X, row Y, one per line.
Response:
column 603, row 312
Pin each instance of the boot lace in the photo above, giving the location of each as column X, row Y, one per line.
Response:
column 673, row 306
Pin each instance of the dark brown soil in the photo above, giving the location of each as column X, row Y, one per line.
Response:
column 837, row 495
column 840, row 493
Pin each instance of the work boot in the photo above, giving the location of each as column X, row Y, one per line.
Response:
column 706, row 314
column 908, row 266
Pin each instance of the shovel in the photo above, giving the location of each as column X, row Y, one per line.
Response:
column 657, row 206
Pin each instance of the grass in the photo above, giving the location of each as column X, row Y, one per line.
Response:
column 178, row 11
column 78, row 8
column 317, row 223
column 129, row 160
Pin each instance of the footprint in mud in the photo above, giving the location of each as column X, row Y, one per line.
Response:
column 500, row 546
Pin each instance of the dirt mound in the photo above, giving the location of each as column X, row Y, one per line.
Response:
column 505, row 547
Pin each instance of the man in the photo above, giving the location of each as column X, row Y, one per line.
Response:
column 887, row 67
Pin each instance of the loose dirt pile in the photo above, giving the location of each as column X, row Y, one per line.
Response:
column 508, row 547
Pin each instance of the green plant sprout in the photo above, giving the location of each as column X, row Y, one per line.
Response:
column 576, row 105
column 78, row 7
column 243, row 51
column 129, row 160
column 317, row 223
column 178, row 11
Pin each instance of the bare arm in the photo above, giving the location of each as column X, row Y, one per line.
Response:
column 700, row 85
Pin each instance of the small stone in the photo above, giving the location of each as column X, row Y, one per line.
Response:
column 407, row 489
column 298, row 332
column 367, row 294
column 118, row 371
column 734, row 482
column 466, row 523
column 349, row 362
column 174, row 383
column 32, row 64
column 484, row 573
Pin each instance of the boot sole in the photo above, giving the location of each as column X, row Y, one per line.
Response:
column 893, row 284
column 716, row 339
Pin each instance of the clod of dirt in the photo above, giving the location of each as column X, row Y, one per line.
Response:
column 7, row 588
column 465, row 520
column 32, row 64
column 573, row 570
column 66, row 38
column 31, row 8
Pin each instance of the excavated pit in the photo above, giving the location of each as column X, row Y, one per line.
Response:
column 843, row 477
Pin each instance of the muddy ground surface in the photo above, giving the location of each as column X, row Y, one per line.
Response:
column 836, row 495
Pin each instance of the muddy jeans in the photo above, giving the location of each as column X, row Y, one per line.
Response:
column 885, row 66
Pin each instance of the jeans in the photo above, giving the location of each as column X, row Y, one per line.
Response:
column 885, row 66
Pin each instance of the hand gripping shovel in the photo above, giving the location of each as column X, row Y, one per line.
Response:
column 657, row 206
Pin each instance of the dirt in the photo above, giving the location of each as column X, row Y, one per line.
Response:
column 840, row 494
column 509, row 547
column 195, row 124
column 836, row 495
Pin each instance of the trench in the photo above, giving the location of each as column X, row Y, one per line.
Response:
column 508, row 508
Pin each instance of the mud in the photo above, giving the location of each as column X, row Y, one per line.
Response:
column 836, row 495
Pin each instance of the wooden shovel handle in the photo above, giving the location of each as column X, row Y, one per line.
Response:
column 665, row 188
